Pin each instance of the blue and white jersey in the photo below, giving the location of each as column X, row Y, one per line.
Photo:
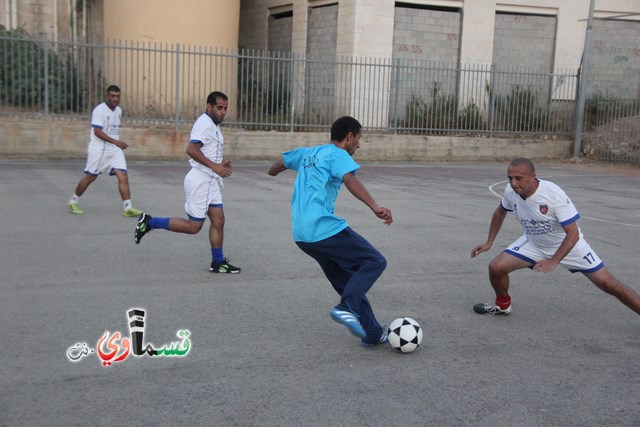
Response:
column 208, row 134
column 107, row 120
column 543, row 214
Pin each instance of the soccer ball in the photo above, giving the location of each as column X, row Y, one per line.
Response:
column 405, row 334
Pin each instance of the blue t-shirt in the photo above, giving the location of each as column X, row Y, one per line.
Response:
column 320, row 171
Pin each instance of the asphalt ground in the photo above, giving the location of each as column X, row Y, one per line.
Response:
column 263, row 349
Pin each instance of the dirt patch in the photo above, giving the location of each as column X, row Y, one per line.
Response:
column 620, row 137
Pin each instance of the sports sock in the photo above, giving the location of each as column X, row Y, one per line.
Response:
column 156, row 222
column 503, row 302
column 74, row 199
column 217, row 256
column 127, row 204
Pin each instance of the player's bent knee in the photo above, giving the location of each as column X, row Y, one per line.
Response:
column 194, row 227
column 379, row 264
column 494, row 267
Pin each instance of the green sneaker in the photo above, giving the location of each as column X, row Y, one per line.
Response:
column 75, row 208
column 132, row 212
column 224, row 267
column 142, row 227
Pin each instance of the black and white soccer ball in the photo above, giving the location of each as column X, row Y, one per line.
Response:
column 405, row 334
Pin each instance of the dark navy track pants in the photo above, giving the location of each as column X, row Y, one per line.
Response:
column 352, row 265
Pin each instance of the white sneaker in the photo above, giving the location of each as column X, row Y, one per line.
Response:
column 490, row 309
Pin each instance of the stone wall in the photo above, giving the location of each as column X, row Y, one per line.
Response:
column 36, row 139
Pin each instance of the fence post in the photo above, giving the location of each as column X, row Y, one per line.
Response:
column 492, row 106
column 46, row 78
column 582, row 92
column 396, row 96
column 293, row 92
column 177, row 84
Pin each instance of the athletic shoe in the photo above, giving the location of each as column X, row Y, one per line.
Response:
column 224, row 267
column 75, row 208
column 490, row 309
column 382, row 340
column 349, row 320
column 131, row 212
column 142, row 227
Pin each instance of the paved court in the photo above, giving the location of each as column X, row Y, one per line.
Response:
column 262, row 348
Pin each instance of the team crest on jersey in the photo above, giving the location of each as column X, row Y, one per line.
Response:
column 544, row 209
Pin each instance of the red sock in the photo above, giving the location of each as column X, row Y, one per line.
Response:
column 503, row 302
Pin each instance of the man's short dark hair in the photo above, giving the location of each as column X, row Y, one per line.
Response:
column 341, row 128
column 113, row 88
column 212, row 99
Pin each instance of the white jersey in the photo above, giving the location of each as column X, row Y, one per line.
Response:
column 107, row 120
column 543, row 214
column 206, row 132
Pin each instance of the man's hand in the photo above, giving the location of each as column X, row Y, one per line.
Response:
column 223, row 169
column 479, row 249
column 385, row 214
column 545, row 266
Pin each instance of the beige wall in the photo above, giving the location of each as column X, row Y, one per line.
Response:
column 212, row 25
column 196, row 22
column 35, row 139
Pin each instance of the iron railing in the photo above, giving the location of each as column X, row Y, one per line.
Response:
column 167, row 84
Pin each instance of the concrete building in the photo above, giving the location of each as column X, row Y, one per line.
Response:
column 547, row 36
column 538, row 32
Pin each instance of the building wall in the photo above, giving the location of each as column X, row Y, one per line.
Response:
column 279, row 36
column 38, row 17
column 527, row 40
column 200, row 25
column 614, row 60
column 192, row 22
column 428, row 35
column 367, row 27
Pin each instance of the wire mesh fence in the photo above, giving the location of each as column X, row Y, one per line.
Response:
column 167, row 84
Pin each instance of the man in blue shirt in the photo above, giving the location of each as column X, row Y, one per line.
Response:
column 351, row 264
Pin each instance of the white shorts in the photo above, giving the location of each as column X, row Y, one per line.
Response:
column 201, row 190
column 581, row 259
column 100, row 159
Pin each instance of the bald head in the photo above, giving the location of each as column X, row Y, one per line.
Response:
column 524, row 162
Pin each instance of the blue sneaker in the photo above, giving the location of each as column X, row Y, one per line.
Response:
column 349, row 320
column 384, row 338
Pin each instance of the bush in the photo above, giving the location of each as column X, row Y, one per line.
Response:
column 22, row 75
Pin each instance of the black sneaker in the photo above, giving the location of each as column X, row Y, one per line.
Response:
column 224, row 267
column 142, row 227
column 490, row 309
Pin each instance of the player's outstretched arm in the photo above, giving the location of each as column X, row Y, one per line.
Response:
column 358, row 189
column 276, row 168
column 496, row 224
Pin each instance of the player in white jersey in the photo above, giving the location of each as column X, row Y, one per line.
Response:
column 201, row 185
column 105, row 152
column 551, row 237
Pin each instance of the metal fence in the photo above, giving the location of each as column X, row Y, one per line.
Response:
column 167, row 84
